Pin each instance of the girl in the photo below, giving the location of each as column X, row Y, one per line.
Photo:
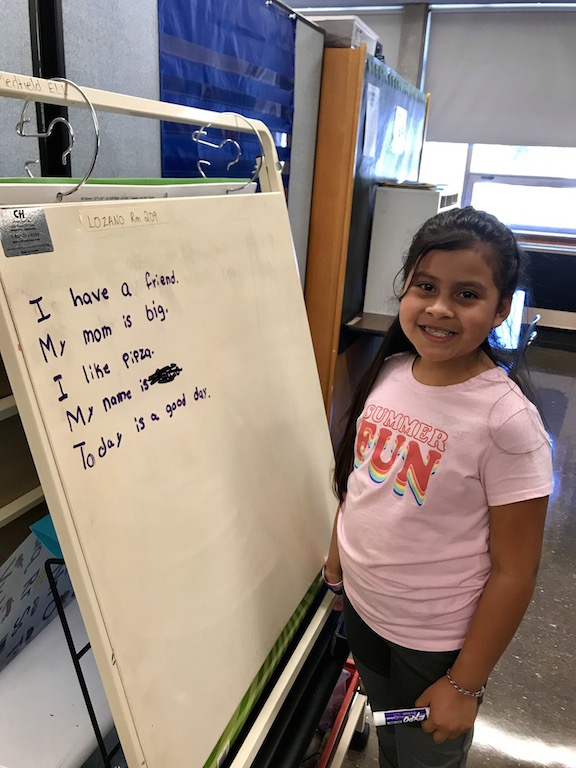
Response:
column 443, row 476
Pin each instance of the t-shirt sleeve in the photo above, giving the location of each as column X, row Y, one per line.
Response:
column 517, row 465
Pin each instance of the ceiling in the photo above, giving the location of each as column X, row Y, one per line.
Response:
column 347, row 5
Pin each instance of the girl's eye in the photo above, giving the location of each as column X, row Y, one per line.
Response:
column 468, row 295
column 425, row 286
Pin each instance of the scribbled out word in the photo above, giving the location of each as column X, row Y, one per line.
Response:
column 165, row 375
column 179, row 403
column 135, row 356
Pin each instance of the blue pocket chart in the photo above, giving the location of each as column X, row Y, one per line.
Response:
column 161, row 362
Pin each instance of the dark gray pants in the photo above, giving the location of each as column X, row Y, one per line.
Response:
column 394, row 677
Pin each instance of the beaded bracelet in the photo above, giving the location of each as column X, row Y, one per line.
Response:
column 465, row 691
column 337, row 587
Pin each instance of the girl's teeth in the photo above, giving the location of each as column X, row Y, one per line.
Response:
column 434, row 332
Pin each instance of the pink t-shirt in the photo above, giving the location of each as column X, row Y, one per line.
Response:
column 429, row 462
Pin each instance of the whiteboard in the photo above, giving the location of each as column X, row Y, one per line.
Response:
column 160, row 357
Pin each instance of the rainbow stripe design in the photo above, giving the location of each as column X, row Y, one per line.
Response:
column 380, row 469
column 364, row 442
column 410, row 478
column 376, row 475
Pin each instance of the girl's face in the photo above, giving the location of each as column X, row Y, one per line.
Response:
column 449, row 306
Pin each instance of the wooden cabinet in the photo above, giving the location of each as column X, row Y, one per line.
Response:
column 340, row 99
column 370, row 128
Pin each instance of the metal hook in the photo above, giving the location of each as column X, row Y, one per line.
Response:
column 20, row 131
column 27, row 165
column 87, row 175
column 196, row 136
column 199, row 165
column 23, row 120
column 259, row 158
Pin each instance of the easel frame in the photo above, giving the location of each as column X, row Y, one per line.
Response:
column 54, row 92
column 76, row 656
column 48, row 91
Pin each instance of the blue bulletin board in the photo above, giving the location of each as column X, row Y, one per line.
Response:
column 230, row 56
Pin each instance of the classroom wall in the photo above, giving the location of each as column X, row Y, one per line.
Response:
column 15, row 56
column 116, row 50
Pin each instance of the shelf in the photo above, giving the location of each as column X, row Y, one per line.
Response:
column 19, row 484
column 370, row 322
column 7, row 407
column 4, row 383
column 21, row 505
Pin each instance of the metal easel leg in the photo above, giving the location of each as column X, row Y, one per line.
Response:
column 76, row 656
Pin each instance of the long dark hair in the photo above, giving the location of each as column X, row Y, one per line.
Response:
column 451, row 230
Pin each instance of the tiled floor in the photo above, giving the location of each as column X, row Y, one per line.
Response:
column 527, row 719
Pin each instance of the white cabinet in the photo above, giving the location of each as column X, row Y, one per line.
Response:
column 399, row 212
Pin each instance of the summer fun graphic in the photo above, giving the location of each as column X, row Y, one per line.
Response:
column 396, row 445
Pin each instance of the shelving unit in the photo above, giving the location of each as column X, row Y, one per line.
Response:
column 7, row 407
column 20, row 505
column 20, row 489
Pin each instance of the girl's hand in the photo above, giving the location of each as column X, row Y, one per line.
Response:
column 451, row 712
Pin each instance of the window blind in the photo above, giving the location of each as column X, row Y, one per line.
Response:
column 502, row 77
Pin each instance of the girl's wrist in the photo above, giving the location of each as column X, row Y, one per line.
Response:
column 332, row 566
column 474, row 693
column 332, row 579
column 332, row 575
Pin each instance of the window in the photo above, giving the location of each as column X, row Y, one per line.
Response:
column 444, row 163
column 531, row 189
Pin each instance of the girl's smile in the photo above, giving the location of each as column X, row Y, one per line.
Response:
column 449, row 306
column 438, row 335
